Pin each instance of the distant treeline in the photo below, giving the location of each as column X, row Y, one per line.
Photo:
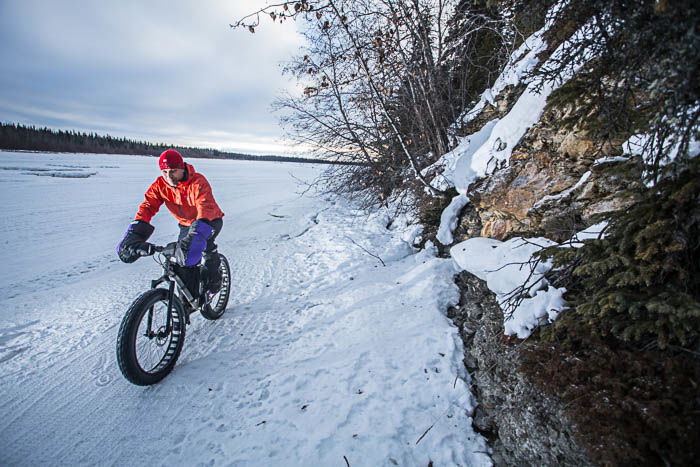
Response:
column 30, row 138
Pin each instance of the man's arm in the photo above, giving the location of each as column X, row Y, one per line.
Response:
column 192, row 246
column 204, row 201
column 150, row 205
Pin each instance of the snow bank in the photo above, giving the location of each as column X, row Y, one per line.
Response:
column 504, row 266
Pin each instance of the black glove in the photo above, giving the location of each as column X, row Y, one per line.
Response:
column 145, row 249
column 134, row 244
column 169, row 249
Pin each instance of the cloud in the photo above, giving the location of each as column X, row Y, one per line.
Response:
column 167, row 69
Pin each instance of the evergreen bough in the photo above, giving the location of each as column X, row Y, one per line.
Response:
column 641, row 281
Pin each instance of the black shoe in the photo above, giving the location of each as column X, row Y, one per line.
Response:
column 214, row 287
column 207, row 309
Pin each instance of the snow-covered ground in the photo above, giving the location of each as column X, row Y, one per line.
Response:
column 324, row 357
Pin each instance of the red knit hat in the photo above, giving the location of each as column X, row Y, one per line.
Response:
column 171, row 159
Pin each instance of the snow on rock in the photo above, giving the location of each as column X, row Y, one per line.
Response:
column 448, row 219
column 459, row 167
column 521, row 62
column 635, row 144
column 640, row 145
column 458, row 161
column 596, row 231
column 500, row 264
column 559, row 196
column 507, row 132
column 504, row 266
column 491, row 146
column 609, row 159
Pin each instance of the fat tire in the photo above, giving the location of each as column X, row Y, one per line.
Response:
column 126, row 340
column 218, row 306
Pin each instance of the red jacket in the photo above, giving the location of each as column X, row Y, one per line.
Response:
column 190, row 200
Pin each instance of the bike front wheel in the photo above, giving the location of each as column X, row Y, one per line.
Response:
column 219, row 301
column 150, row 339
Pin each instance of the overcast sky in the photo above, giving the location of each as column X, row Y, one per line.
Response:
column 156, row 70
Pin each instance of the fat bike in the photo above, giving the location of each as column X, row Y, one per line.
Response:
column 152, row 332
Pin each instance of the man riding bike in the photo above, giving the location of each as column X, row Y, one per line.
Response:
column 188, row 196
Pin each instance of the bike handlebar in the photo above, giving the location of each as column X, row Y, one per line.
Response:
column 167, row 250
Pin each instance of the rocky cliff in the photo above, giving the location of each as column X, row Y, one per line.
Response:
column 550, row 159
column 524, row 425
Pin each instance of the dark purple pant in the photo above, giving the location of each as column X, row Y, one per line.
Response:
column 216, row 224
column 212, row 275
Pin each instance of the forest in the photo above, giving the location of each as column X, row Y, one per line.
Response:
column 30, row 138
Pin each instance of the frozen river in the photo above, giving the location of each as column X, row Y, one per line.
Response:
column 324, row 356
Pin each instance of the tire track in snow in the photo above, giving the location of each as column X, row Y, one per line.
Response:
column 73, row 360
column 249, row 386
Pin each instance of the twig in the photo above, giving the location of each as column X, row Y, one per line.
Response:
column 514, row 263
column 676, row 347
column 346, row 461
column 528, row 242
column 490, row 368
column 308, row 185
column 426, row 432
column 367, row 251
column 575, row 399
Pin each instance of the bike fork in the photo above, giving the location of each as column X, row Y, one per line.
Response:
column 171, row 294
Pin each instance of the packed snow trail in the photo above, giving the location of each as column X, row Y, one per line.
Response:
column 324, row 355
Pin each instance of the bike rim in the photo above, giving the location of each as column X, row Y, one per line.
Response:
column 155, row 348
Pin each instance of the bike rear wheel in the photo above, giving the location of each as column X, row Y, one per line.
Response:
column 146, row 350
column 218, row 302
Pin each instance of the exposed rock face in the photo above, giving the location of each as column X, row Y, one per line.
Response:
column 505, row 198
column 525, row 426
column 469, row 223
column 552, row 185
column 555, row 184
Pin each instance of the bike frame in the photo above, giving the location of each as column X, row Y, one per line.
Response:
column 173, row 280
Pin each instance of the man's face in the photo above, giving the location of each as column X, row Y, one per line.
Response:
column 173, row 176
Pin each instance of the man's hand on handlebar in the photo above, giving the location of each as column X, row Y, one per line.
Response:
column 146, row 249
column 169, row 249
